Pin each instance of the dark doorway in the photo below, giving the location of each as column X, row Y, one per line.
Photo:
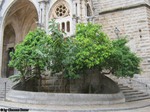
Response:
column 20, row 19
column 8, row 46
column 10, row 70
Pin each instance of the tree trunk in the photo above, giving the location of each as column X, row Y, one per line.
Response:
column 23, row 83
column 38, row 73
column 67, row 86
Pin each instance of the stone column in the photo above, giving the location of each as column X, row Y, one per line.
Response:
column 1, row 47
column 74, row 16
column 42, row 13
column 77, row 10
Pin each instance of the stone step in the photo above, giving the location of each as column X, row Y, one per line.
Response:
column 1, row 98
column 121, row 86
column 1, row 92
column 9, row 84
column 137, row 98
column 127, row 91
column 1, row 95
column 2, row 89
column 125, row 88
column 136, row 95
column 133, row 93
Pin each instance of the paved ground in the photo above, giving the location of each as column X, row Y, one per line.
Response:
column 138, row 106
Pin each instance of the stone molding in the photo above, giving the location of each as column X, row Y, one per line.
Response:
column 124, row 8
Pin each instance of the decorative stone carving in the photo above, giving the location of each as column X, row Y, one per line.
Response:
column 60, row 10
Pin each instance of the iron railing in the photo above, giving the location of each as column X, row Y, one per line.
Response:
column 135, row 84
column 5, row 91
column 139, row 85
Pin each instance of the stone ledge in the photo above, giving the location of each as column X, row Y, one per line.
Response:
column 124, row 8
column 64, row 98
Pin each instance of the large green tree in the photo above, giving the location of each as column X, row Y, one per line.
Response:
column 97, row 52
column 90, row 51
column 62, row 53
column 94, row 47
column 31, row 56
column 96, row 55
column 122, row 62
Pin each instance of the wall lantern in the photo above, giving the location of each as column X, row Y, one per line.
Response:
column 117, row 31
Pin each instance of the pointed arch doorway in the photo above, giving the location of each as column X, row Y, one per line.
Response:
column 21, row 18
column 8, row 46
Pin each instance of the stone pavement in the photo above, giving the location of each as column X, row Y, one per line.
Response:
column 138, row 106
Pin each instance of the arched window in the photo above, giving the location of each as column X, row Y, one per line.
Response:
column 68, row 26
column 61, row 13
column 89, row 12
column 63, row 27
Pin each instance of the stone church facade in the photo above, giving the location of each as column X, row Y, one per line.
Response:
column 129, row 18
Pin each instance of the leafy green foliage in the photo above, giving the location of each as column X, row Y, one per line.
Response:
column 122, row 61
column 94, row 51
column 94, row 47
column 30, row 56
column 62, row 53
column 57, row 50
column 91, row 49
column 16, row 77
column 68, row 61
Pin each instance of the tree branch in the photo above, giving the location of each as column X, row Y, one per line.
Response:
column 104, row 73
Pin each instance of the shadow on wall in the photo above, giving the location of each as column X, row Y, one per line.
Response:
column 88, row 85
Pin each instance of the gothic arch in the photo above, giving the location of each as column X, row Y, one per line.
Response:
column 8, row 46
column 21, row 16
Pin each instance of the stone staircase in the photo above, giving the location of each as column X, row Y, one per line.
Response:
column 133, row 95
column 9, row 84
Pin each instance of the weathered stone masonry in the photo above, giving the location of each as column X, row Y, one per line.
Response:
column 131, row 17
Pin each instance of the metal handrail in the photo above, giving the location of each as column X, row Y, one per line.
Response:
column 140, row 83
column 146, row 86
column 5, row 91
column 133, row 83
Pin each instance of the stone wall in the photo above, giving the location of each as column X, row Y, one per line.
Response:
column 132, row 19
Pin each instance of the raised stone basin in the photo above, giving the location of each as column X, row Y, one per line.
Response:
column 64, row 98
